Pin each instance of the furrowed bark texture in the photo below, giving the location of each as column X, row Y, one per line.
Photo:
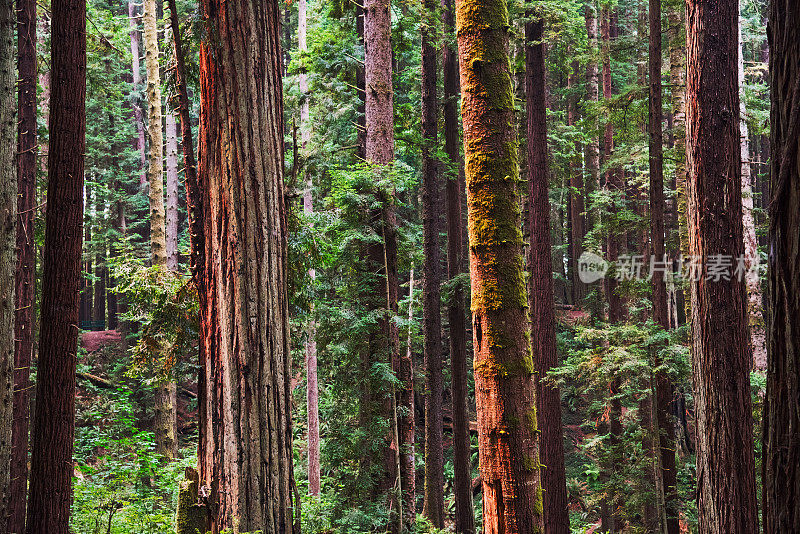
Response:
column 781, row 465
column 504, row 368
column 8, row 240
column 50, row 491
column 462, row 457
column 433, row 504
column 721, row 341
column 246, row 448
column 27, row 145
column 663, row 388
column 542, row 313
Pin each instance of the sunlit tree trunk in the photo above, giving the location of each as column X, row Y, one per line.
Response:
column 27, row 146
column 50, row 491
column 781, row 462
column 504, row 367
column 721, row 341
column 542, row 312
column 172, row 191
column 433, row 504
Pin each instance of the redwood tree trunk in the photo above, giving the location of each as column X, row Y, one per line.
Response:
column 542, row 313
column 721, row 341
column 592, row 96
column 504, row 368
column 245, row 455
column 433, row 505
column 50, row 492
column 26, row 260
column 781, row 465
column 462, row 450
column 663, row 388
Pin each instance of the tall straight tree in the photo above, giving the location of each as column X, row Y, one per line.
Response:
column 50, row 491
column 433, row 504
column 462, row 453
column 379, row 151
column 165, row 395
column 136, row 70
column 542, row 310
column 592, row 97
column 781, row 465
column 663, row 388
column 720, row 337
column 245, row 450
column 8, row 215
column 504, row 368
column 27, row 146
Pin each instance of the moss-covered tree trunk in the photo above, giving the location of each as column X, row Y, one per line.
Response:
column 542, row 312
column 781, row 465
column 504, row 368
column 720, row 337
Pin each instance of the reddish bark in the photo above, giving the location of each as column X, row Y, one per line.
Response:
column 27, row 146
column 721, row 344
column 50, row 492
column 542, row 314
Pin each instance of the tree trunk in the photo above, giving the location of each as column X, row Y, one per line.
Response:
column 504, row 368
column 8, row 209
column 542, row 313
column 781, row 465
column 138, row 114
column 592, row 97
column 406, row 420
column 245, row 452
column 164, row 423
column 665, row 426
column 26, row 260
column 99, row 313
column 462, row 450
column 755, row 317
column 50, row 491
column 576, row 204
column 312, row 387
column 433, row 504
column 172, row 192
column 721, row 344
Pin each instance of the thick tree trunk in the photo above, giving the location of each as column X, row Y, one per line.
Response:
column 781, row 465
column 312, row 387
column 542, row 313
column 504, row 368
column 245, row 453
column 755, row 317
column 433, row 503
column 138, row 113
column 8, row 220
column 27, row 146
column 462, row 451
column 665, row 426
column 172, row 192
column 50, row 492
column 721, row 344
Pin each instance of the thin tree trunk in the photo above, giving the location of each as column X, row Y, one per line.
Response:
column 576, row 203
column 312, row 387
column 99, row 313
column 50, row 491
column 755, row 318
column 721, row 344
column 406, row 419
column 542, row 312
column 172, row 192
column 504, row 368
column 592, row 96
column 462, row 457
column 138, row 113
column 781, row 463
column 433, row 504
column 664, row 426
column 245, row 455
column 27, row 146
column 8, row 220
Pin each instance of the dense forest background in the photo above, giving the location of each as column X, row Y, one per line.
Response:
column 383, row 415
